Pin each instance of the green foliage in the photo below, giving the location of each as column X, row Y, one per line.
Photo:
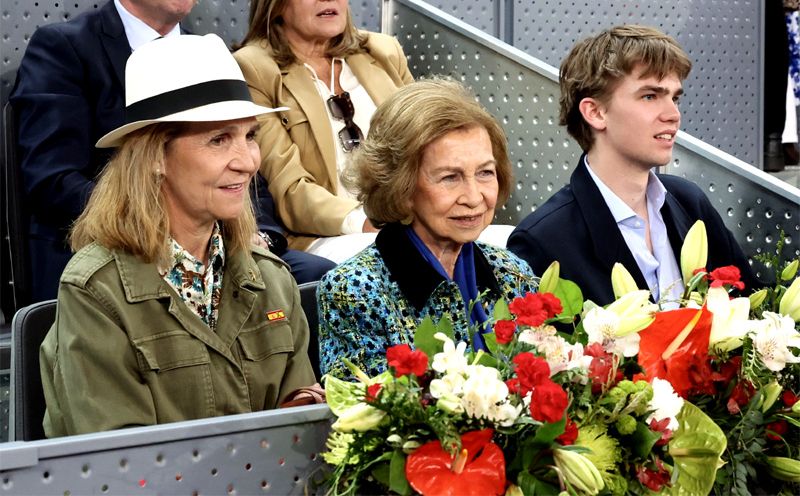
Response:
column 571, row 298
column 423, row 336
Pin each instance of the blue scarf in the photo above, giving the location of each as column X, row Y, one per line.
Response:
column 464, row 277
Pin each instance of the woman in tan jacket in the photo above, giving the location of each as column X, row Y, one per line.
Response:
column 309, row 57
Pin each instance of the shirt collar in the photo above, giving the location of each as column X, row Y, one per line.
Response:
column 655, row 195
column 137, row 31
column 179, row 256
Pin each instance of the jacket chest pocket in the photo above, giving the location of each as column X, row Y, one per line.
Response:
column 177, row 368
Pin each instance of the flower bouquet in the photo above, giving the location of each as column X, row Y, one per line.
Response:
column 631, row 401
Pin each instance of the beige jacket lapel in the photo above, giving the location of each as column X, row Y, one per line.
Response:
column 372, row 76
column 297, row 80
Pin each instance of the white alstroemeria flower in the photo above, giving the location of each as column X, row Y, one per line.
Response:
column 602, row 326
column 665, row 403
column 448, row 384
column 536, row 336
column 485, row 395
column 773, row 337
column 561, row 355
column 451, row 359
column 729, row 322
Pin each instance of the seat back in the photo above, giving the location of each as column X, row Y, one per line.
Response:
column 308, row 299
column 15, row 222
column 28, row 329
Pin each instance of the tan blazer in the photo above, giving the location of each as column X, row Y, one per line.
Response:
column 298, row 158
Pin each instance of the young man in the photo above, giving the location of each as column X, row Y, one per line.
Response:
column 619, row 99
column 70, row 92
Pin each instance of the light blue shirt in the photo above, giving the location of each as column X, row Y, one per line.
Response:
column 137, row 31
column 659, row 268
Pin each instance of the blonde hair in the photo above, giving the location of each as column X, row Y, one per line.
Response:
column 596, row 64
column 266, row 23
column 385, row 167
column 126, row 210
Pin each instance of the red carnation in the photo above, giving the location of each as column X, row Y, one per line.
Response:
column 548, row 402
column 534, row 308
column 570, row 433
column 726, row 275
column 406, row 361
column 776, row 430
column 372, row 393
column 531, row 371
column 789, row 398
column 504, row 331
column 660, row 426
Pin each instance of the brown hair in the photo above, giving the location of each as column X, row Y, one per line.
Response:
column 266, row 23
column 126, row 209
column 385, row 167
column 596, row 64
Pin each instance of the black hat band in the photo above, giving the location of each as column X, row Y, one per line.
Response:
column 186, row 98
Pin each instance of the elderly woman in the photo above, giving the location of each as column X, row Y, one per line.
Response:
column 308, row 56
column 167, row 312
column 431, row 173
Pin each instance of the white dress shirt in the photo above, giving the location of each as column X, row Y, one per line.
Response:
column 137, row 31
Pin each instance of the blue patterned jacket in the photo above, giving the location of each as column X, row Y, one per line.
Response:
column 377, row 298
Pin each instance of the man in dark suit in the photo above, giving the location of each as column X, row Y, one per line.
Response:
column 70, row 92
column 619, row 100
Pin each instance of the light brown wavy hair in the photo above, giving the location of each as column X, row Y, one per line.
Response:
column 266, row 23
column 596, row 64
column 126, row 210
column 384, row 169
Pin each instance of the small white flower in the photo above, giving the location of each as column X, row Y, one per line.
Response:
column 773, row 337
column 451, row 360
column 448, row 384
column 535, row 336
column 665, row 403
column 486, row 396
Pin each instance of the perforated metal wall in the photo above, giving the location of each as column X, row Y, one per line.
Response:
column 523, row 93
column 265, row 453
column 721, row 105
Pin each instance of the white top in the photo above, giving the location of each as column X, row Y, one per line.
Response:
column 659, row 268
column 364, row 108
column 137, row 31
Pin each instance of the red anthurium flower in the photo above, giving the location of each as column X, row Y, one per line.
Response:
column 548, row 402
column 406, row 361
column 504, row 331
column 789, row 398
column 776, row 430
column 570, row 433
column 531, row 371
column 655, row 480
column 534, row 308
column 674, row 339
column 726, row 275
column 479, row 469
column 660, row 426
column 372, row 393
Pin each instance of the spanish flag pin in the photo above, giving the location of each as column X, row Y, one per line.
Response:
column 276, row 315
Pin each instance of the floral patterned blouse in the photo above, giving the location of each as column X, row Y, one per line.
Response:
column 198, row 285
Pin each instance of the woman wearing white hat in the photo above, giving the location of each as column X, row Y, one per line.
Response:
column 166, row 312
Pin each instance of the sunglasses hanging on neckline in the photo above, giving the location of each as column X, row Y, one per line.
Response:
column 341, row 108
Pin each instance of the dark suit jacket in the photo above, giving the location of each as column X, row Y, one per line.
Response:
column 70, row 91
column 576, row 228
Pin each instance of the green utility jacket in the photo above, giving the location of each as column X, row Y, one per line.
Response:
column 125, row 350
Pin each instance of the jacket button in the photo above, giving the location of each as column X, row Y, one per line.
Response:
column 285, row 121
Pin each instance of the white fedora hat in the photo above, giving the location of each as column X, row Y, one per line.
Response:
column 185, row 78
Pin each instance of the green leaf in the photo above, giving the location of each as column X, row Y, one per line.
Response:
column 547, row 433
column 487, row 360
column 424, row 340
column 341, row 395
column 571, row 299
column 644, row 439
column 397, row 474
column 695, row 448
column 381, row 474
column 531, row 485
column 491, row 342
column 791, row 420
column 501, row 311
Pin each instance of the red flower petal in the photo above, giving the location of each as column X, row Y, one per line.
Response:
column 428, row 469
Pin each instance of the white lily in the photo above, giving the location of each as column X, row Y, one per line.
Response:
column 602, row 326
column 622, row 281
column 772, row 339
column 635, row 312
column 730, row 322
column 451, row 359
